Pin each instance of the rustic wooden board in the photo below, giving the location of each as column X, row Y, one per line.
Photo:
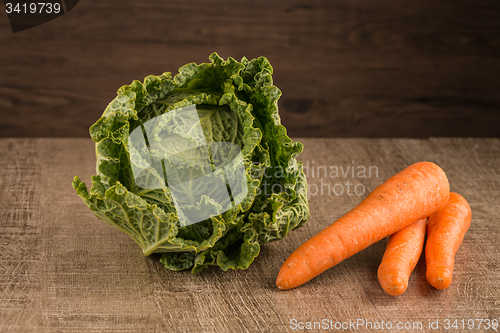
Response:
column 347, row 68
column 62, row 269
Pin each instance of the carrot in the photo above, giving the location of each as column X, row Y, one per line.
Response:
column 412, row 194
column 400, row 258
column 445, row 232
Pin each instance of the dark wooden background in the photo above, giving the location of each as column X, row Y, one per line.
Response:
column 346, row 68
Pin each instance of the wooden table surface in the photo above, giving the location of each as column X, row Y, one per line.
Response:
column 62, row 269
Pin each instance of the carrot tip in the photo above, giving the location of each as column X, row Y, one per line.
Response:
column 394, row 285
column 441, row 279
column 281, row 283
column 282, row 287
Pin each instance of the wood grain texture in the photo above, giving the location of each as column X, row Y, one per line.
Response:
column 62, row 269
column 346, row 68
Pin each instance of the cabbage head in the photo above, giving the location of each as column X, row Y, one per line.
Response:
column 198, row 167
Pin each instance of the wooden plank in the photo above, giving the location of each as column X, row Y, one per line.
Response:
column 62, row 269
column 346, row 68
column 20, row 236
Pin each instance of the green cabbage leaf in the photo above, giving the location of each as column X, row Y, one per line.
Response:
column 231, row 108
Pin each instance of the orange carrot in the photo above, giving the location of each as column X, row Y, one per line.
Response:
column 400, row 258
column 412, row 194
column 445, row 231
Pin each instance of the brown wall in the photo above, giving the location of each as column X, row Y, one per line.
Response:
column 346, row 68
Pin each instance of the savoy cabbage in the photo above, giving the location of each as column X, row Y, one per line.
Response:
column 152, row 143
